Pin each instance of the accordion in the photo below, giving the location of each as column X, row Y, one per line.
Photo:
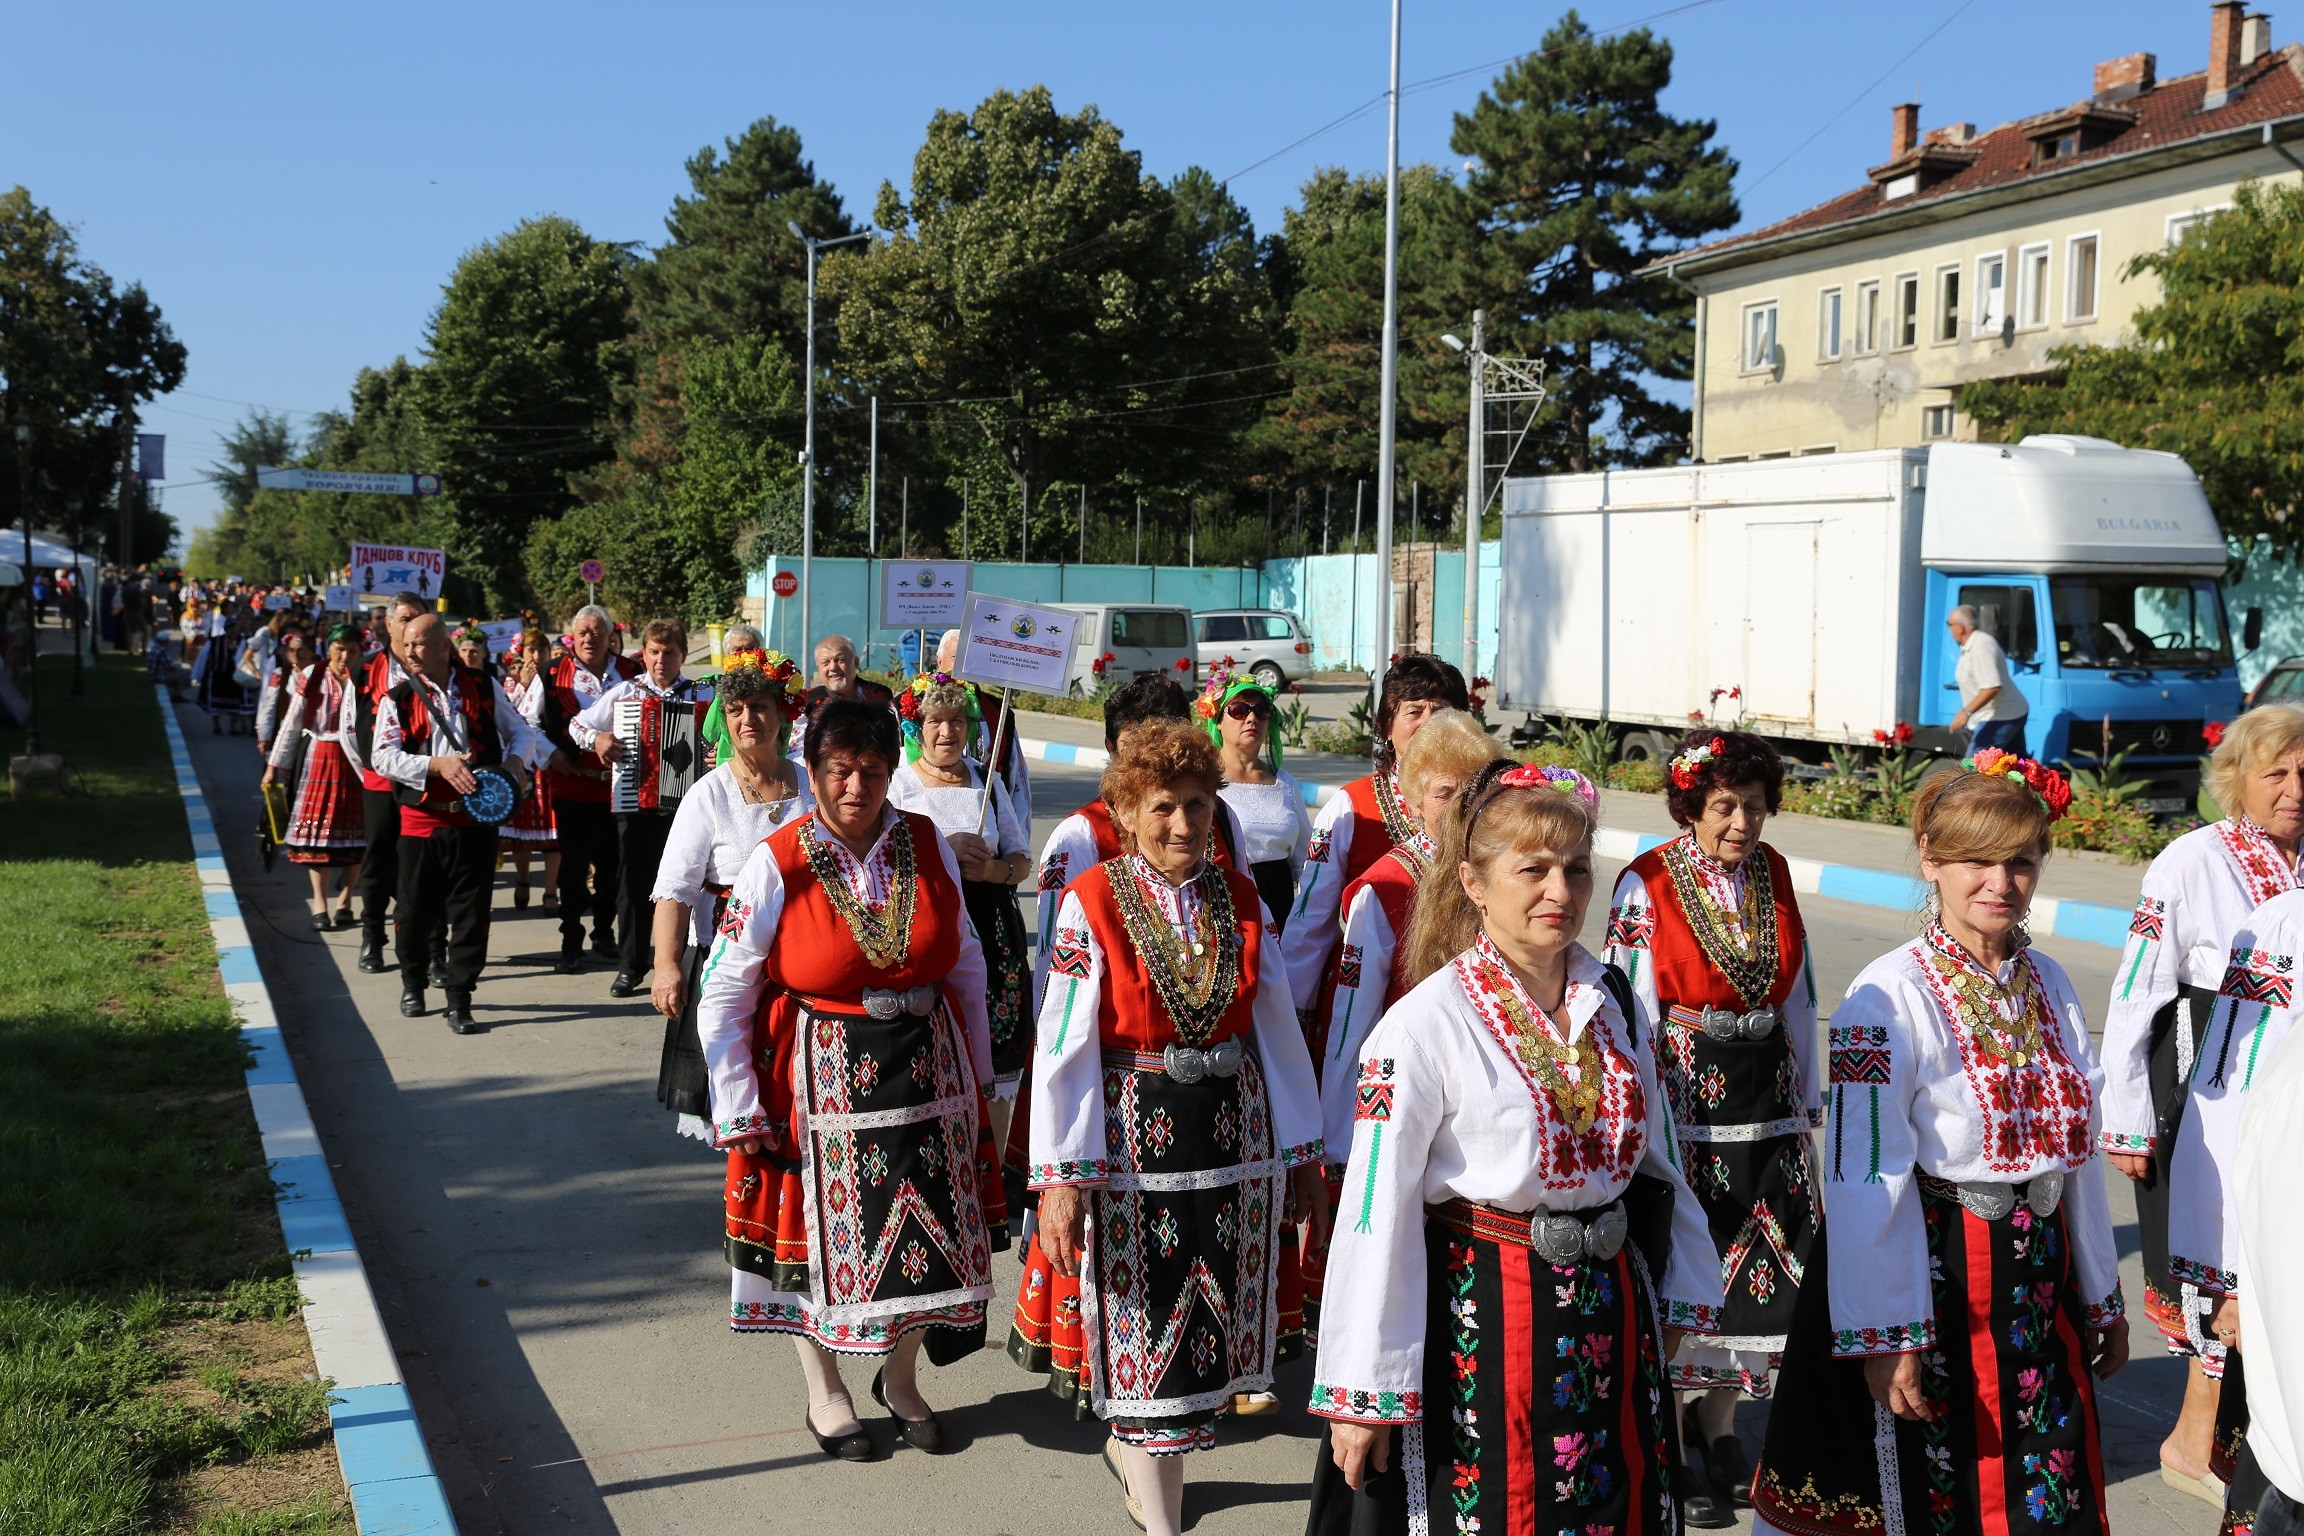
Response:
column 661, row 754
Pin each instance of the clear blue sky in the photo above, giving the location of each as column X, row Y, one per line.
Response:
column 293, row 182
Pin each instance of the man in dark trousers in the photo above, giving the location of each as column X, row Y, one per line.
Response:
column 380, row 865
column 433, row 728
column 585, row 670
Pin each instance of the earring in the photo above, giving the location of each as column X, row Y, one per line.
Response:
column 1933, row 907
column 2024, row 931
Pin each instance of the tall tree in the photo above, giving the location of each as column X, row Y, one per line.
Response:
column 1581, row 181
column 257, row 439
column 526, row 352
column 2213, row 372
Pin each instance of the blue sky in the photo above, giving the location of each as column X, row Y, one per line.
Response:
column 293, row 182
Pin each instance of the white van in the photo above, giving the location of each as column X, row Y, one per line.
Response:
column 1139, row 637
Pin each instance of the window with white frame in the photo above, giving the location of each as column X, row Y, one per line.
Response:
column 2080, row 275
column 1991, row 292
column 1828, row 325
column 1867, row 337
column 1948, row 303
column 1935, row 423
column 1907, row 332
column 2032, row 286
column 1759, row 337
column 2182, row 224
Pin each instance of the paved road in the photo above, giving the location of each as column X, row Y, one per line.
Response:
column 546, row 1253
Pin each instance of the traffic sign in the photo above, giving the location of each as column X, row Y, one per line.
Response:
column 592, row 571
column 786, row 584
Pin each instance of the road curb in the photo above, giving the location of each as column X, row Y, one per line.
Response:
column 2083, row 921
column 379, row 1448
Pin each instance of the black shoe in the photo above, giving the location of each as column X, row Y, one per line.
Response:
column 1701, row 1507
column 344, row 918
column 625, row 985
column 855, row 1447
column 570, row 963
column 1730, row 1469
column 605, row 947
column 321, row 922
column 412, row 1002
column 920, row 1434
column 440, row 971
column 459, row 1014
column 372, row 954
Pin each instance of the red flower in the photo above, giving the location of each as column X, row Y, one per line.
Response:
column 1183, row 663
column 2213, row 734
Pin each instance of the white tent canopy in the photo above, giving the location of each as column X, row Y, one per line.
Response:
column 47, row 555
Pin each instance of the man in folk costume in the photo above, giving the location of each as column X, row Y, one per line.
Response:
column 838, row 676
column 1708, row 931
column 640, row 834
column 432, row 731
column 1015, row 769
column 588, row 863
column 1361, row 825
column 384, row 670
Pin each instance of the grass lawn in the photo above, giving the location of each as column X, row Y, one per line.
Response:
column 154, row 1374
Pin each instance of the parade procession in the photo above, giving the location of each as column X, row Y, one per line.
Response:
column 1394, row 769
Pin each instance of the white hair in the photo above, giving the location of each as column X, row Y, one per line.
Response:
column 591, row 611
column 743, row 637
column 1964, row 616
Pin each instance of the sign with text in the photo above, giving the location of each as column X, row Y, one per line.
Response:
column 784, row 584
column 380, row 571
column 1016, row 645
column 922, row 594
column 502, row 634
column 358, row 482
column 337, row 599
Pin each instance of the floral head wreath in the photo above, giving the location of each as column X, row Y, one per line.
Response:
column 2050, row 788
column 791, row 697
column 468, row 630
column 911, row 702
column 1223, row 684
column 1563, row 781
column 1688, row 766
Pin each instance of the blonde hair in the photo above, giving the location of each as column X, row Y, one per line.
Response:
column 2250, row 742
column 1451, row 744
column 1977, row 818
column 1444, row 922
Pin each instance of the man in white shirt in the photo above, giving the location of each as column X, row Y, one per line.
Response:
column 2272, row 1259
column 1989, row 701
column 432, row 730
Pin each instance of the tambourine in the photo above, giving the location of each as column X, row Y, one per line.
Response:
column 492, row 798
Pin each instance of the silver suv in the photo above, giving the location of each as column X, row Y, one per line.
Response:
column 1266, row 643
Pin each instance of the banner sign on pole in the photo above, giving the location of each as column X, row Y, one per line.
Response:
column 1016, row 645
column 380, row 571
column 502, row 634
column 356, row 481
column 337, row 599
column 923, row 594
column 152, row 457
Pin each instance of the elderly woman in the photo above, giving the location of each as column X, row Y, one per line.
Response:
column 992, row 845
column 1708, row 931
column 2196, row 897
column 725, row 815
column 1359, row 826
column 1965, row 1287
column 1172, row 1096
column 317, row 746
column 1266, row 798
column 531, row 831
column 842, row 1020
column 472, row 649
column 1500, row 1303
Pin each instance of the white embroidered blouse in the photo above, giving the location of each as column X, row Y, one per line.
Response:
column 2256, row 1008
column 1914, row 1092
column 729, row 999
column 1447, row 1111
column 2196, row 895
column 953, row 807
column 1363, row 991
column 1274, row 820
column 1069, row 853
column 713, row 833
column 1067, row 1138
column 329, row 720
column 1313, row 926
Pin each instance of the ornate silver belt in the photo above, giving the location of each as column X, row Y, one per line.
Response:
column 1559, row 1237
column 1990, row 1202
column 883, row 1004
column 1186, row 1064
column 1726, row 1024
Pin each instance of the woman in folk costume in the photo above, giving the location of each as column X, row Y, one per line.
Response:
column 471, row 642
column 751, row 791
column 1172, row 1098
column 1708, row 932
column 992, row 845
column 1965, row 1287
column 842, row 1017
column 291, row 662
column 316, row 746
column 1516, row 1254
column 530, row 831
column 2200, row 892
column 1238, row 714
column 1360, row 825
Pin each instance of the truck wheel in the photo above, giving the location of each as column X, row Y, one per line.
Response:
column 1268, row 676
column 1644, row 747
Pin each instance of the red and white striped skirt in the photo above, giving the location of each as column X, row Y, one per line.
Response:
column 532, row 823
column 327, row 825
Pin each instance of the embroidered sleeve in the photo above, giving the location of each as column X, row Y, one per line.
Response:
column 728, row 1006
column 2109, row 1312
column 291, row 727
column 1363, row 970
column 2144, row 984
column 1311, row 936
column 1067, row 1131
column 1800, row 1025
column 1287, row 1060
column 1372, row 1311
column 2088, row 1206
column 1631, row 930
column 1070, row 851
column 1689, row 1289
column 1880, row 1297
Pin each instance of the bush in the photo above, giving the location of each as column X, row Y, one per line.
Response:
column 1641, row 776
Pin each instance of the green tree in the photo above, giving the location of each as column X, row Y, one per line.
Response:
column 259, row 438
column 1581, row 183
column 2213, row 372
column 517, row 395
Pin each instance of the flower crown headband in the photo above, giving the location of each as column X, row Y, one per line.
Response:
column 1563, row 781
column 1688, row 766
column 2050, row 788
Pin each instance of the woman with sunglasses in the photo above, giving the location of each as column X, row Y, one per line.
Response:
column 1269, row 802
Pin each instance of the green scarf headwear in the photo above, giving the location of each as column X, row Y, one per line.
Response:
column 1223, row 687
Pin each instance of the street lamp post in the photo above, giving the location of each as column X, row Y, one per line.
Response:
column 808, row 440
column 32, row 673
column 1387, row 473
column 79, row 599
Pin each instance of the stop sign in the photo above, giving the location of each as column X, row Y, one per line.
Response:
column 785, row 584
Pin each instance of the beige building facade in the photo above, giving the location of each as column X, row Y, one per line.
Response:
column 1970, row 256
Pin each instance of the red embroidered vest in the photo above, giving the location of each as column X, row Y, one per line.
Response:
column 816, row 956
column 422, row 811
column 1394, row 884
column 1128, row 1006
column 1684, row 976
column 562, row 703
column 1371, row 833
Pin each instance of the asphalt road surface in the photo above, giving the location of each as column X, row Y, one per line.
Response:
column 547, row 1256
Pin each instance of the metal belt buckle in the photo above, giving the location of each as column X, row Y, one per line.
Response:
column 1717, row 1023
column 1987, row 1202
column 1759, row 1024
column 1604, row 1236
column 1184, row 1064
column 884, row 1005
column 2046, row 1192
column 1224, row 1059
column 1560, row 1239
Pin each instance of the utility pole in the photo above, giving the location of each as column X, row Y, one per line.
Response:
column 24, row 505
column 1139, row 527
column 1024, row 526
column 1327, row 514
column 904, row 525
column 1083, row 524
column 1475, row 491
column 1269, row 494
column 1192, row 535
column 871, row 530
column 127, row 518
column 1299, row 522
column 808, row 437
column 1387, row 473
column 965, row 553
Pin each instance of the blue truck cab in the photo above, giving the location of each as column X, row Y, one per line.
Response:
column 2098, row 570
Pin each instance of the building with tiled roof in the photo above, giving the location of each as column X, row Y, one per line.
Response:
column 1971, row 255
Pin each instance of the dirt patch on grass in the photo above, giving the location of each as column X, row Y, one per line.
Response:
column 250, row 1378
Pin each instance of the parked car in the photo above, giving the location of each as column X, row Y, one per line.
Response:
column 2284, row 681
column 1139, row 637
column 1266, row 643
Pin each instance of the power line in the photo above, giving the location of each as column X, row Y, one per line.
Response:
column 1857, row 100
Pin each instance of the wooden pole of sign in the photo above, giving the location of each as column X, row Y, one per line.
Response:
column 992, row 759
